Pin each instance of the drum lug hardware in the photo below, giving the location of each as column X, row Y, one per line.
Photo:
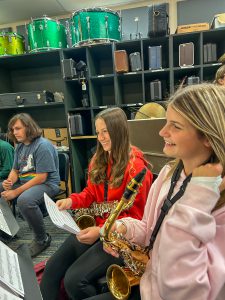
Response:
column 35, row 44
column 48, row 44
column 106, row 27
column 41, row 27
column 88, row 26
column 60, row 44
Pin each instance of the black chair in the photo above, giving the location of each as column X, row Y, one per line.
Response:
column 64, row 166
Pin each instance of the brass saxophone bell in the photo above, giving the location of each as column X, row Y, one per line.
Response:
column 120, row 280
column 85, row 221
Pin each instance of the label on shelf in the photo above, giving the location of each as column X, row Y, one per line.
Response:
column 186, row 67
column 130, row 73
column 136, row 104
column 158, row 70
column 216, row 64
column 104, row 106
column 100, row 76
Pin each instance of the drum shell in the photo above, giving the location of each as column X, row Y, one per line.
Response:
column 11, row 44
column 90, row 25
column 46, row 34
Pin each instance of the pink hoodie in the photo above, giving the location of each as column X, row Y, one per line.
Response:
column 188, row 258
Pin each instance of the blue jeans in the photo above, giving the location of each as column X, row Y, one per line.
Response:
column 29, row 202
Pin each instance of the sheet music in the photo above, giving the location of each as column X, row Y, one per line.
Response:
column 5, row 295
column 61, row 219
column 10, row 274
column 3, row 224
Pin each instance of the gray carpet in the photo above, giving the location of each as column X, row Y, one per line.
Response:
column 25, row 236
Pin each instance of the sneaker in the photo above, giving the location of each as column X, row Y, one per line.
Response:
column 36, row 248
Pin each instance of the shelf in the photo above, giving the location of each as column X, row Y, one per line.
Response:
column 28, row 60
column 34, row 106
column 83, row 137
column 100, row 60
column 104, row 87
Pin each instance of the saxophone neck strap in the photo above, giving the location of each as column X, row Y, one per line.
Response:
column 106, row 186
column 168, row 203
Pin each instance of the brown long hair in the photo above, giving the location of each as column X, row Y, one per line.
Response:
column 32, row 129
column 116, row 123
column 203, row 105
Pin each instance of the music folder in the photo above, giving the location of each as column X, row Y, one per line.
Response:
column 30, row 284
column 8, row 223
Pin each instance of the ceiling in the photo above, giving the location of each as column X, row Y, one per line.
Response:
column 17, row 11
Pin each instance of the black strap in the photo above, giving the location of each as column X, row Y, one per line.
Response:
column 105, row 190
column 168, row 203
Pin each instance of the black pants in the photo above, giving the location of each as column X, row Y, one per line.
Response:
column 80, row 265
column 135, row 295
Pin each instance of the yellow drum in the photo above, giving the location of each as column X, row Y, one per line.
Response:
column 11, row 43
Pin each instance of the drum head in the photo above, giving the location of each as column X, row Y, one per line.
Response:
column 42, row 19
column 94, row 9
column 151, row 110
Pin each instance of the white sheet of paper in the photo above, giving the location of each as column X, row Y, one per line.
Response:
column 61, row 218
column 3, row 224
column 5, row 295
column 10, row 273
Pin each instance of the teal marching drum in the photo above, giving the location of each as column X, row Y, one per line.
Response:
column 95, row 25
column 46, row 34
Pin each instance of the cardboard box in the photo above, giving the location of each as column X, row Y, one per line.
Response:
column 192, row 27
column 58, row 136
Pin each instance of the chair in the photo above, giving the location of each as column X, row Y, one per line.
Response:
column 64, row 166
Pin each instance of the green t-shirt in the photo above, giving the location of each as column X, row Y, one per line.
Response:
column 6, row 159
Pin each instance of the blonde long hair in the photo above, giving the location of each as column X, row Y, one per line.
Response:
column 203, row 105
column 220, row 74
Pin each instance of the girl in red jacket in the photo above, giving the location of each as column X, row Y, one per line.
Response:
column 81, row 260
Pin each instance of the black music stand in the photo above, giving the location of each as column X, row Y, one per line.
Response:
column 30, row 284
column 9, row 217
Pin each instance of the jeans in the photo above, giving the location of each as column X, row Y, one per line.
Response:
column 80, row 265
column 29, row 202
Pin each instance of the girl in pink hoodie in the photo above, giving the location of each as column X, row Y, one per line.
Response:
column 187, row 256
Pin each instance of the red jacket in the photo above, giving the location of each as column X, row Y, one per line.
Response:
column 95, row 192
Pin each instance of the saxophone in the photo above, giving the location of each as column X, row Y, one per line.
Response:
column 84, row 217
column 120, row 280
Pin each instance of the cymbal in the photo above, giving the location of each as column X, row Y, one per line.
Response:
column 151, row 110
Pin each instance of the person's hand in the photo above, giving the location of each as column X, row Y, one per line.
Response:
column 64, row 204
column 208, row 170
column 88, row 235
column 7, row 184
column 121, row 229
column 9, row 195
column 108, row 249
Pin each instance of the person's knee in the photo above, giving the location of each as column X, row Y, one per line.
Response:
column 23, row 202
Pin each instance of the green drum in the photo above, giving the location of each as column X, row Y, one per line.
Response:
column 93, row 25
column 46, row 34
column 11, row 43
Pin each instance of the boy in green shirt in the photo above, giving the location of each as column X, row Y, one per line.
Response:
column 6, row 159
